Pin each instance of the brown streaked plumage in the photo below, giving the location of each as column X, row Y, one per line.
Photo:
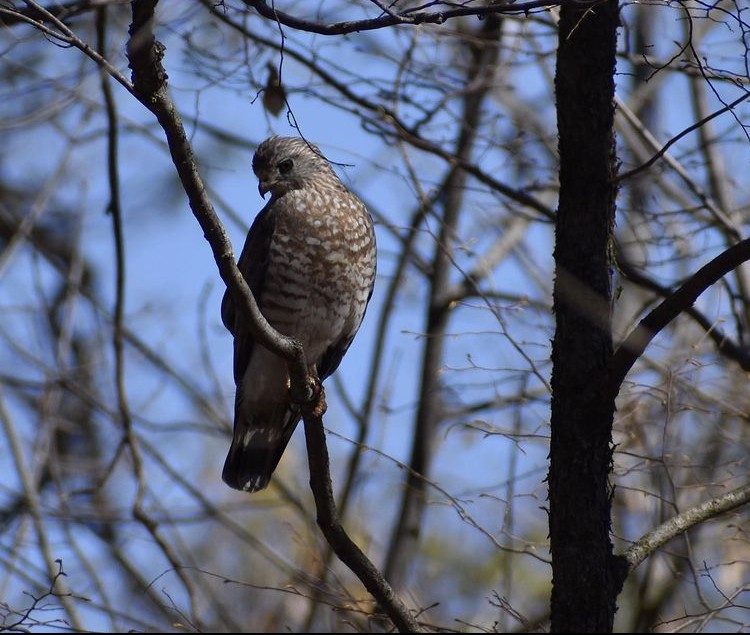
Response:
column 310, row 260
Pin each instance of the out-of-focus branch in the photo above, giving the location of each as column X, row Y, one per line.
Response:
column 406, row 532
column 715, row 167
column 695, row 126
column 58, row 11
column 53, row 27
column 674, row 164
column 130, row 438
column 681, row 523
column 34, row 504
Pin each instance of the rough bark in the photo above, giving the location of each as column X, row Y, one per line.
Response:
column 586, row 575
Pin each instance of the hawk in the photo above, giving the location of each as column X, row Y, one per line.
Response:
column 309, row 259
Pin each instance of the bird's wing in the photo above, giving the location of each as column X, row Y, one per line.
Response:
column 253, row 264
column 332, row 357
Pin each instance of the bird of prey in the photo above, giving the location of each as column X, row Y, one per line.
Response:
column 309, row 259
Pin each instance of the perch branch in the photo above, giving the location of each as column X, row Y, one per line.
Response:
column 150, row 87
column 330, row 525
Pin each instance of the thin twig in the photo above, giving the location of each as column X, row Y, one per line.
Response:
column 663, row 150
column 32, row 498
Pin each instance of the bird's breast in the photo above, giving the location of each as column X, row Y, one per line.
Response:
column 320, row 273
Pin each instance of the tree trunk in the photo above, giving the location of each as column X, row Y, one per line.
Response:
column 584, row 572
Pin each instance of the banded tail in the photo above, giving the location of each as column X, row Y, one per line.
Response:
column 257, row 446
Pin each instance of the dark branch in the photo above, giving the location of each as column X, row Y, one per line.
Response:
column 411, row 17
column 678, row 302
column 330, row 525
column 723, row 342
column 150, row 87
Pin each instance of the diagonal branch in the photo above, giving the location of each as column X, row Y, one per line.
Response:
column 679, row 524
column 698, row 124
column 681, row 300
column 724, row 344
column 330, row 525
column 150, row 87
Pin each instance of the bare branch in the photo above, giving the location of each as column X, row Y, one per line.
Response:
column 150, row 86
column 723, row 342
column 411, row 17
column 695, row 126
column 58, row 11
column 681, row 523
column 149, row 79
column 330, row 525
column 649, row 327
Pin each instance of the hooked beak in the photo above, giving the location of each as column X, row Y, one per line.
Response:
column 263, row 188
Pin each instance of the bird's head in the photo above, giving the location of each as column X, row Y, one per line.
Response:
column 287, row 163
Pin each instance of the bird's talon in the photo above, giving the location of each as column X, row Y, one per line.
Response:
column 317, row 403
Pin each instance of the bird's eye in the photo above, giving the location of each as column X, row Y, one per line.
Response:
column 285, row 166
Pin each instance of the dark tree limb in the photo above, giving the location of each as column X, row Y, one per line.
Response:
column 330, row 525
column 725, row 344
column 150, row 87
column 409, row 16
column 679, row 301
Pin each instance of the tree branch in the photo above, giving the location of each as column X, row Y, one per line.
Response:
column 698, row 124
column 328, row 521
column 676, row 525
column 411, row 16
column 725, row 345
column 681, row 300
column 150, row 86
column 57, row 11
column 397, row 128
